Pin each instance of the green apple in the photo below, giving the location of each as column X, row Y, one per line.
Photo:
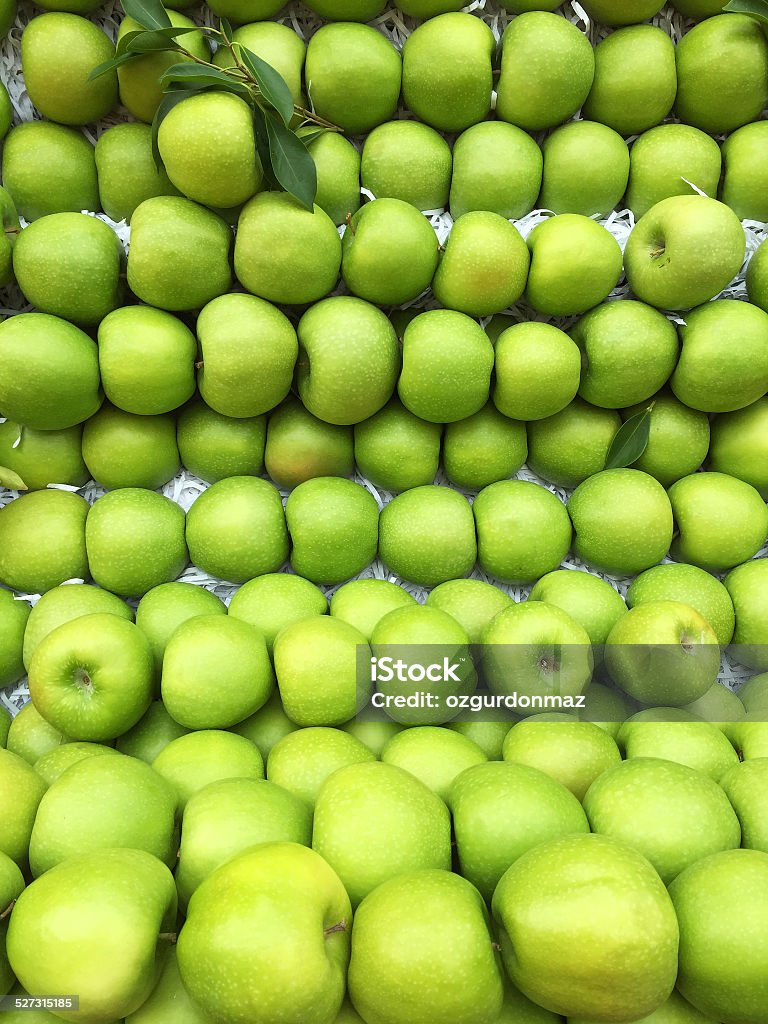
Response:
column 628, row 351
column 149, row 455
column 484, row 265
column 572, row 753
column 227, row 817
column 17, row 815
column 754, row 693
column 687, row 584
column 575, row 263
column 607, row 707
column 435, row 756
column 721, row 522
column 668, row 161
column 311, row 251
column 721, row 706
column 710, row 353
column 320, row 648
column 208, row 148
column 389, row 253
column 671, row 814
column 537, row 371
column 195, row 692
column 547, row 68
column 151, row 734
column 571, row 445
column 127, row 173
column 141, row 89
column 91, row 677
column 213, row 446
column 698, row 9
column 745, row 787
column 337, row 166
column 447, row 365
column 275, row 600
column 179, row 257
column 51, row 766
column 430, row 924
column 349, row 359
column 747, row 586
column 302, row 761
column 353, row 76
column 523, row 531
column 236, row 529
column 447, row 72
column 42, row 541
column 300, row 446
column 483, row 448
column 678, row 438
column 473, row 603
column 364, row 603
column 743, row 176
column 267, row 726
column 720, row 94
column 635, row 79
column 375, row 821
column 663, row 653
column 124, row 902
column 375, row 734
column 14, row 618
column 146, row 359
column 621, row 12
column 590, row 601
column 517, row 1008
column 267, row 936
column 622, row 521
column 248, row 351
column 738, row 445
column 397, row 450
column 75, row 46
column 616, row 960
column 30, row 735
column 750, row 736
column 279, row 45
column 496, row 167
column 191, row 762
column 169, row 1002
column 62, row 604
column 93, row 807
column 334, row 528
column 43, row 457
column 162, row 610
column 11, row 887
column 538, row 653
column 721, row 906
column 55, row 254
column 586, row 168
column 48, row 168
column 407, row 160
column 49, row 372
column 674, row 735
column 427, row 535
column 502, row 810
column 683, row 252
column 135, row 541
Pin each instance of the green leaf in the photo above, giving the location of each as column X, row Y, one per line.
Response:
column 293, row 167
column 152, row 42
column 111, row 65
column 630, row 441
column 262, row 146
column 308, row 133
column 225, row 27
column 195, row 74
column 271, row 85
column 11, row 480
column 756, row 8
column 149, row 14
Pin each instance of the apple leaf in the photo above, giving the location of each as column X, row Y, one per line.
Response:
column 630, row 441
column 190, row 75
column 292, row 166
column 111, row 65
column 150, row 14
column 162, row 39
column 11, row 480
column 225, row 27
column 272, row 85
column 310, row 132
column 756, row 8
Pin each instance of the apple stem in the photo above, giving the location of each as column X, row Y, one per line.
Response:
column 199, row 365
column 169, row 937
column 340, row 927
column 7, row 911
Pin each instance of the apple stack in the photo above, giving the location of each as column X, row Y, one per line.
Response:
column 337, row 330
